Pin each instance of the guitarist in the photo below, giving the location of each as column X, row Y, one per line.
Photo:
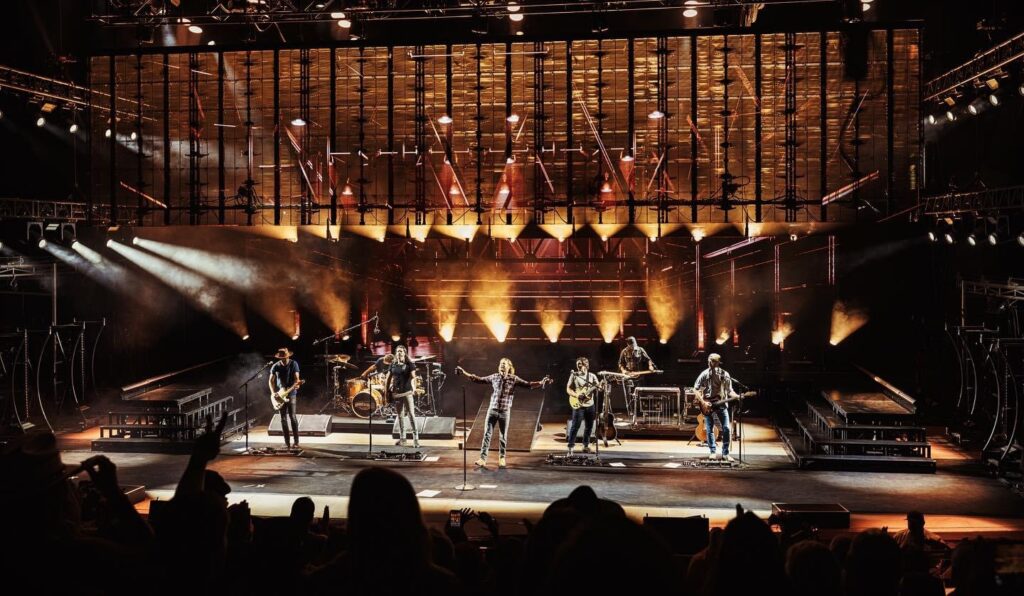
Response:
column 582, row 387
column 714, row 384
column 285, row 374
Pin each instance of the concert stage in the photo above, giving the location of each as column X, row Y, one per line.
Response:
column 647, row 476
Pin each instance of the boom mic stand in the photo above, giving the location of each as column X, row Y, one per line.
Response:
column 245, row 389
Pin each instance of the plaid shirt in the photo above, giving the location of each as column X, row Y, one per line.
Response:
column 503, row 387
column 630, row 362
column 714, row 386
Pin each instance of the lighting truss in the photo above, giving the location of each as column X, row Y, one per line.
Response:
column 981, row 201
column 987, row 62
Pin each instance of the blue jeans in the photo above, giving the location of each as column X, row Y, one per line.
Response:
column 501, row 419
column 718, row 417
column 586, row 414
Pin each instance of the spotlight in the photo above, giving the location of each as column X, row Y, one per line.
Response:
column 663, row 341
column 1020, row 89
column 444, row 120
column 345, row 23
column 135, row 241
column 1020, row 239
column 513, row 7
column 295, row 337
column 211, row 43
column 932, row 236
column 298, row 122
column 690, row 12
column 972, row 239
column 512, row 119
column 792, row 237
column 519, row 33
column 73, row 128
column 107, row 133
column 338, row 15
column 993, row 238
column 516, row 17
column 931, row 118
column 973, row 109
column 42, row 243
column 950, row 115
column 40, row 121
column 865, row 6
column 195, row 29
column 245, row 337
column 993, row 99
column 656, row 115
column 626, row 158
column 396, row 337
column 110, row 243
column 133, row 136
column 346, row 337
column 948, row 236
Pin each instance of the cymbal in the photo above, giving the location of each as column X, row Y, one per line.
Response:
column 422, row 358
column 340, row 358
column 347, row 365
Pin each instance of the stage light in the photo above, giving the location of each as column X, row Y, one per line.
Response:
column 689, row 12
column 89, row 254
column 1020, row 239
column 950, row 115
column 512, row 118
column 865, row 6
column 656, row 115
column 295, row 337
column 135, row 241
column 722, row 337
column 780, row 334
column 195, row 29
column 606, row 187
column 626, row 158
column 245, row 337
column 972, row 239
column 932, row 236
column 40, row 121
column 845, row 320
column 345, row 23
column 107, row 133
column 347, row 190
column 211, row 43
column 519, row 33
column 948, row 236
column 665, row 308
column 973, row 109
column 993, row 238
column 604, row 238
column 993, row 99
column 611, row 313
column 931, row 119
column 513, row 7
column 42, row 243
column 73, row 128
column 133, row 136
column 1020, row 89
column 792, row 237
column 346, row 337
column 454, row 189
column 298, row 122
column 653, row 239
column 552, row 315
column 663, row 341
column 444, row 120
column 396, row 337
column 516, row 17
column 110, row 243
column 337, row 15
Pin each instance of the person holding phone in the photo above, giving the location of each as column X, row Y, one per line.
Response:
column 503, row 384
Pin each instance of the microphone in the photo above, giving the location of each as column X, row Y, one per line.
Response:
column 376, row 323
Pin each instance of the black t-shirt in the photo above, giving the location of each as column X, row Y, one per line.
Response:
column 284, row 374
column 401, row 375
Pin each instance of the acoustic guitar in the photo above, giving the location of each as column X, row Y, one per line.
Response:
column 705, row 408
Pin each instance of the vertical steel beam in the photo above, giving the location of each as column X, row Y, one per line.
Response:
column 758, row 132
column 139, row 157
column 890, row 96
column 167, row 139
column 112, row 142
column 569, row 198
column 221, row 175
column 823, row 106
column 305, row 192
column 694, row 150
column 277, row 137
column 540, row 191
column 630, row 117
column 698, row 298
column 332, row 145
column 420, row 128
column 728, row 187
column 194, row 148
column 789, row 197
column 391, row 135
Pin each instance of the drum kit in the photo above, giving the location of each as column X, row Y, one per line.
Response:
column 365, row 397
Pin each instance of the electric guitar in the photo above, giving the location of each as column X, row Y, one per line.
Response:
column 583, row 397
column 280, row 397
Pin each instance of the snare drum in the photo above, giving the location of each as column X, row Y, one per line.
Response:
column 366, row 402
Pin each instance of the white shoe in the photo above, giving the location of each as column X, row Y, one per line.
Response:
column 714, row 457
column 502, row 463
column 570, row 451
column 729, row 459
column 480, row 463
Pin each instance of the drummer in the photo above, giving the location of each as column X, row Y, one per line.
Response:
column 381, row 366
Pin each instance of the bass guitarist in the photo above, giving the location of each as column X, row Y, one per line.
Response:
column 284, row 384
column 582, row 387
column 714, row 385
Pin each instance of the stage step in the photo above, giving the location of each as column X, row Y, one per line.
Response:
column 806, row 457
column 809, row 444
column 827, row 420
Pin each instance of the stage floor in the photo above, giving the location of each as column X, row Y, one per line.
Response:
column 659, row 477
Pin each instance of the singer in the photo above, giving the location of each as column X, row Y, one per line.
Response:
column 503, row 383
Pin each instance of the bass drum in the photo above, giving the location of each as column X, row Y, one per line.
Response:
column 366, row 402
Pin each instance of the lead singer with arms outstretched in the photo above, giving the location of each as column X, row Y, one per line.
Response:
column 503, row 384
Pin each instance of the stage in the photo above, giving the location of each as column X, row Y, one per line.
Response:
column 657, row 477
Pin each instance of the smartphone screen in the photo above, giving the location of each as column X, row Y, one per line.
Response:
column 455, row 518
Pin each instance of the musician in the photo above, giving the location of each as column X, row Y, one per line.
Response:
column 715, row 384
column 581, row 380
column 285, row 373
column 503, row 384
column 400, row 383
column 634, row 359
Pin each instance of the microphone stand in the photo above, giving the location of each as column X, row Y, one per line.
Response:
column 465, row 422
column 245, row 389
column 738, row 419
